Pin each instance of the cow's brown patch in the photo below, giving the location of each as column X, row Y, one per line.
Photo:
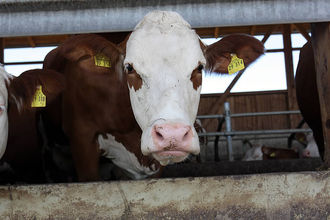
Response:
column 133, row 78
column 196, row 76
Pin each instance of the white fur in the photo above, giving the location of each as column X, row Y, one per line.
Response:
column 4, row 77
column 312, row 146
column 254, row 153
column 164, row 51
column 123, row 158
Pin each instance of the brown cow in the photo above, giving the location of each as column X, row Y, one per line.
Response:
column 307, row 94
column 23, row 151
column 136, row 102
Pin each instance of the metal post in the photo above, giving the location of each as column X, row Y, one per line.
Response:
column 228, row 129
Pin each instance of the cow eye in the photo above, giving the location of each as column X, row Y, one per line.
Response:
column 129, row 68
column 200, row 68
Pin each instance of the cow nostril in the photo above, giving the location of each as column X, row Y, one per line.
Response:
column 159, row 135
column 186, row 135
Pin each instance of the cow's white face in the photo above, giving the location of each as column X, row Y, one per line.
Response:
column 3, row 111
column 163, row 62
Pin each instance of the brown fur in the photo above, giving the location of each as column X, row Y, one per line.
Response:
column 96, row 100
column 270, row 153
column 134, row 80
column 307, row 94
column 218, row 54
column 24, row 146
column 196, row 78
column 24, row 87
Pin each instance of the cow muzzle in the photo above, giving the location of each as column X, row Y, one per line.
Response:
column 173, row 142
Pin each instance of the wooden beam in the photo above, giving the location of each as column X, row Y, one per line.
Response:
column 289, row 71
column 321, row 48
column 216, row 32
column 253, row 30
column 303, row 31
column 268, row 33
column 31, row 42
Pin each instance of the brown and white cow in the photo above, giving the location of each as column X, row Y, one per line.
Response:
column 19, row 121
column 307, row 94
column 262, row 152
column 140, row 108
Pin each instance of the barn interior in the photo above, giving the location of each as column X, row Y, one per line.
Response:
column 273, row 130
column 268, row 118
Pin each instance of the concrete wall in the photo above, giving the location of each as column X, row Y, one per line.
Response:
column 270, row 196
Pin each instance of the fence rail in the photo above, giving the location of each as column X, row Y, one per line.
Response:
column 229, row 133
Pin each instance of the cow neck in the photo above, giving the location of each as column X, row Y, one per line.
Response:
column 131, row 141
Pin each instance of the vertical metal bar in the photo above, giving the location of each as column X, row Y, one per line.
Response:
column 216, row 140
column 228, row 129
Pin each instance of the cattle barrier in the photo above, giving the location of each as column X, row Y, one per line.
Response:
column 228, row 133
column 303, row 195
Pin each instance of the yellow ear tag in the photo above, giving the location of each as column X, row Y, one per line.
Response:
column 39, row 99
column 102, row 60
column 236, row 64
column 272, row 154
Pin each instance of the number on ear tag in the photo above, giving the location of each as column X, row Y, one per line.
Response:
column 236, row 64
column 39, row 99
column 102, row 60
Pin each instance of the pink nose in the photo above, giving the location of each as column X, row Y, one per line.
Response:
column 172, row 137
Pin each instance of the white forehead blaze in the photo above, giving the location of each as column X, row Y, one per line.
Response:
column 4, row 77
column 164, row 51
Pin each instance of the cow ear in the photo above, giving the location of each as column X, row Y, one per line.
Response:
column 219, row 54
column 22, row 89
column 76, row 53
column 123, row 44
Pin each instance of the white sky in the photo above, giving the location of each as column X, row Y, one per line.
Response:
column 267, row 73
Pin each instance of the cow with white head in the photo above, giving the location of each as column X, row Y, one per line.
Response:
column 164, row 62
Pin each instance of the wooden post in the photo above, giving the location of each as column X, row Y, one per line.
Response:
column 289, row 70
column 321, row 47
column 303, row 31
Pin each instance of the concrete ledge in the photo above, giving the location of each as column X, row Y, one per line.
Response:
column 269, row 196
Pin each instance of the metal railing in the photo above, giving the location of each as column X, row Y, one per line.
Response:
column 229, row 133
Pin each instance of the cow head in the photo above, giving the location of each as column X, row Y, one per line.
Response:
column 19, row 91
column 164, row 62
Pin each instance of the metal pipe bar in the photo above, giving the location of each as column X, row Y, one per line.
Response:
column 228, row 130
column 264, row 113
column 40, row 17
column 210, row 116
column 256, row 132
column 254, row 137
column 249, row 114
column 23, row 63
